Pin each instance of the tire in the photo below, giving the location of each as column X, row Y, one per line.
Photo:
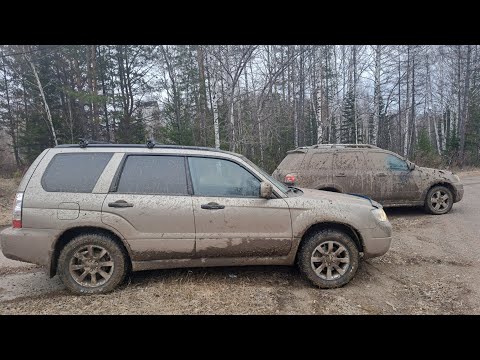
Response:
column 80, row 264
column 440, row 207
column 309, row 250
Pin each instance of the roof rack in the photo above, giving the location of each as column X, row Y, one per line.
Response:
column 150, row 144
column 332, row 146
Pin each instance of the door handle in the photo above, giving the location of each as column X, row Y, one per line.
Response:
column 381, row 174
column 212, row 206
column 120, row 204
column 340, row 175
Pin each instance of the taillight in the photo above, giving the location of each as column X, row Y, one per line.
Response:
column 17, row 211
column 290, row 179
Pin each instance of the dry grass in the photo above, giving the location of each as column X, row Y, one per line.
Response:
column 8, row 187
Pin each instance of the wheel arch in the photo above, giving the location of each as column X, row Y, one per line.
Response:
column 73, row 232
column 448, row 185
column 349, row 230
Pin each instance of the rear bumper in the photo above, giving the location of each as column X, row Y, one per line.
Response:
column 29, row 245
column 458, row 192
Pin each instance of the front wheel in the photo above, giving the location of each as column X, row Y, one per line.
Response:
column 92, row 264
column 439, row 200
column 328, row 258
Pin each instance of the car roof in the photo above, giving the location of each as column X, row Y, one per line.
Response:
column 330, row 148
column 142, row 148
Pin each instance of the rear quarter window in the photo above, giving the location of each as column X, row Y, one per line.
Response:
column 320, row 161
column 292, row 161
column 349, row 160
column 75, row 173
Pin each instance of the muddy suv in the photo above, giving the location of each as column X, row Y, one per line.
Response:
column 368, row 170
column 92, row 213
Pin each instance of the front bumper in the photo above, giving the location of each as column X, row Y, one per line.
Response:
column 458, row 192
column 29, row 245
column 376, row 241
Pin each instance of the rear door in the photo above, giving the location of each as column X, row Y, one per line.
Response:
column 231, row 219
column 349, row 170
column 149, row 203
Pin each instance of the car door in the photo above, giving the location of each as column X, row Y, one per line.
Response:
column 348, row 173
column 231, row 220
column 392, row 180
column 150, row 205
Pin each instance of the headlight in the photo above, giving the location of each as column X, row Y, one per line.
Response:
column 457, row 179
column 380, row 214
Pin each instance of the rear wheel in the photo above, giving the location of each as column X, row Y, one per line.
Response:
column 92, row 264
column 328, row 258
column 439, row 200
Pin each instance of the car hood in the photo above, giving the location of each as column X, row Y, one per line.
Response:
column 334, row 197
column 430, row 173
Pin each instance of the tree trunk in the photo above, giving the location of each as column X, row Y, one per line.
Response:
column 203, row 109
column 319, row 100
column 376, row 117
column 466, row 97
column 47, row 108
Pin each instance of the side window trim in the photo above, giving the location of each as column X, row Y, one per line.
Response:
column 226, row 159
column 121, row 166
column 116, row 177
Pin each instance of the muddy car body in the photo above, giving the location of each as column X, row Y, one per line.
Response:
column 368, row 170
column 90, row 214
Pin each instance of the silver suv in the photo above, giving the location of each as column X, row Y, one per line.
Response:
column 92, row 213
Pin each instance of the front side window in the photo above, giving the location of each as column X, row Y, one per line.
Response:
column 385, row 162
column 218, row 177
column 74, row 173
column 154, row 175
column 396, row 164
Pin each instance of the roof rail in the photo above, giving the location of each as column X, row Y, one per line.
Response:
column 150, row 145
column 332, row 146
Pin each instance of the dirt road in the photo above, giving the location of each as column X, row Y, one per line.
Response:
column 433, row 267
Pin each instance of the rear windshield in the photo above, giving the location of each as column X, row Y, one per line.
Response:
column 75, row 173
column 292, row 161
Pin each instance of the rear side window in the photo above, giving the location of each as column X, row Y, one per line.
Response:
column 162, row 175
column 292, row 161
column 75, row 173
column 320, row 161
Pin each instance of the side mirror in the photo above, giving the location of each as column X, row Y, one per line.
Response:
column 411, row 166
column 266, row 190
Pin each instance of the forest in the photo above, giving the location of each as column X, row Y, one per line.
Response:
column 420, row 101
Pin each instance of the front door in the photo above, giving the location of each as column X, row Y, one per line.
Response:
column 231, row 220
column 150, row 206
column 392, row 180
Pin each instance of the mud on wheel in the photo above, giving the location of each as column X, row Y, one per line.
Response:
column 439, row 200
column 328, row 258
column 92, row 264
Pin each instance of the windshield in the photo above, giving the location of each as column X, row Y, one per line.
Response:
column 277, row 183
